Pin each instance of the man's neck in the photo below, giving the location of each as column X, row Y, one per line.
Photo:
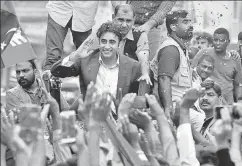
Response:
column 222, row 54
column 110, row 61
column 209, row 113
column 184, row 41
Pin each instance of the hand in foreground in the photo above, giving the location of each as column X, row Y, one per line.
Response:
column 141, row 119
column 126, row 104
column 222, row 128
column 100, row 110
column 146, row 78
column 130, row 132
column 155, row 108
column 7, row 128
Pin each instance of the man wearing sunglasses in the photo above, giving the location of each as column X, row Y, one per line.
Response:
column 227, row 70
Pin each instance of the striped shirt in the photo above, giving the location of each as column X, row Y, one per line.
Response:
column 155, row 10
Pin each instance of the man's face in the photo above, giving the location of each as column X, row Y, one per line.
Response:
column 220, row 42
column 25, row 74
column 209, row 100
column 125, row 19
column 240, row 47
column 108, row 44
column 203, row 43
column 184, row 28
column 205, row 69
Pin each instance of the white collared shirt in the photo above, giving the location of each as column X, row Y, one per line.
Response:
column 82, row 12
column 107, row 79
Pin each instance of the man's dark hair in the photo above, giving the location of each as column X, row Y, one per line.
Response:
column 207, row 58
column 205, row 35
column 125, row 9
column 109, row 27
column 208, row 84
column 32, row 61
column 222, row 31
column 240, row 36
column 172, row 18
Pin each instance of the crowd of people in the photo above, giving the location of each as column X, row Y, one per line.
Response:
column 144, row 100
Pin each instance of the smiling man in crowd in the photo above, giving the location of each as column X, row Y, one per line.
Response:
column 108, row 69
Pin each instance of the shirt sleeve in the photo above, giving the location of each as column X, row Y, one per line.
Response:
column 163, row 9
column 238, row 74
column 143, row 43
column 169, row 61
column 186, row 146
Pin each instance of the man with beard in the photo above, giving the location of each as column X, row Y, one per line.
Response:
column 171, row 65
column 29, row 89
column 134, row 44
column 227, row 70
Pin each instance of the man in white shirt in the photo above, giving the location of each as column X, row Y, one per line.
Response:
column 78, row 16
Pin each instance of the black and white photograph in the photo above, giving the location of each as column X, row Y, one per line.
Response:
column 121, row 83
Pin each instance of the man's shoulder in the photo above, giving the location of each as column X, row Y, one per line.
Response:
column 15, row 91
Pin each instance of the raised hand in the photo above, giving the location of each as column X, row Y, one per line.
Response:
column 126, row 104
column 84, row 50
column 130, row 131
column 141, row 119
column 155, row 108
column 191, row 97
column 100, row 110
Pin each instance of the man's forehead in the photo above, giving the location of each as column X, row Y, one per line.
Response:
column 218, row 35
column 207, row 63
column 23, row 65
column 125, row 12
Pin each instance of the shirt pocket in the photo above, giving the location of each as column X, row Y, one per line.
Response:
column 184, row 78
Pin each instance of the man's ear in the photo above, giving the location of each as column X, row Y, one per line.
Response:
column 173, row 27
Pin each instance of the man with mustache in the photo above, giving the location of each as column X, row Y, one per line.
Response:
column 171, row 64
column 29, row 89
column 212, row 97
column 227, row 69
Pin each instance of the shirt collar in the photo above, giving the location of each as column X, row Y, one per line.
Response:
column 102, row 63
column 179, row 41
column 129, row 35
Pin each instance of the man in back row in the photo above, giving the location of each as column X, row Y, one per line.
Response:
column 227, row 70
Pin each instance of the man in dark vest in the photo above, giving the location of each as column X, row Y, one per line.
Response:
column 134, row 44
